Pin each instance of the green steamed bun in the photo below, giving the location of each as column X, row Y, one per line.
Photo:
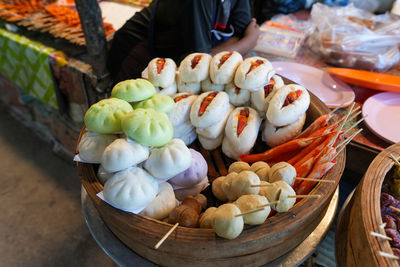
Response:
column 133, row 90
column 148, row 127
column 105, row 116
column 159, row 102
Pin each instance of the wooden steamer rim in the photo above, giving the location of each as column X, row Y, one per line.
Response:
column 355, row 245
column 255, row 246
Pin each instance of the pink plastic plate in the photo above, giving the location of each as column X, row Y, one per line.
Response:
column 383, row 115
column 333, row 92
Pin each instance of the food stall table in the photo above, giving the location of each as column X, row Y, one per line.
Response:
column 124, row 256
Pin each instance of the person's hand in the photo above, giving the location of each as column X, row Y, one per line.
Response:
column 252, row 32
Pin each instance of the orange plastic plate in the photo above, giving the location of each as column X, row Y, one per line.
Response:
column 368, row 79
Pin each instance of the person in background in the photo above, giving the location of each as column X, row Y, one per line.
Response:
column 176, row 28
column 263, row 10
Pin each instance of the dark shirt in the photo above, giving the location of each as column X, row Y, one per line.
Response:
column 180, row 27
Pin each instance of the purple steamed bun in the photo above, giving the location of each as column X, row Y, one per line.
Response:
column 194, row 174
column 194, row 190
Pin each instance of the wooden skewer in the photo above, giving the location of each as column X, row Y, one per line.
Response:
column 315, row 180
column 166, row 236
column 341, row 126
column 248, row 212
column 393, row 208
column 271, row 203
column 396, row 161
column 305, row 196
column 260, row 208
column 388, row 255
column 355, row 124
column 347, row 140
column 353, row 114
column 262, row 185
column 380, row 236
column 346, row 143
column 333, row 111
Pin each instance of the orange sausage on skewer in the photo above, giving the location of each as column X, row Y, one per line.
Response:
column 307, row 150
column 317, row 173
column 278, row 151
column 305, row 165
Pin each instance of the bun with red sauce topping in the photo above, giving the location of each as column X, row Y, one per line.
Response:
column 207, row 85
column 211, row 143
column 185, row 131
column 237, row 97
column 261, row 98
column 194, row 68
column 253, row 73
column 193, row 88
column 216, row 129
column 161, row 72
column 208, row 108
column 288, row 104
column 180, row 117
column 181, row 111
column 241, row 132
column 274, row 136
column 223, row 66
column 170, row 90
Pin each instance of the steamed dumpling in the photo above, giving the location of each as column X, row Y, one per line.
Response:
column 252, row 202
column 282, row 171
column 92, row 146
column 280, row 192
column 238, row 166
column 167, row 161
column 122, row 154
column 163, row 204
column 262, row 169
column 148, row 127
column 217, row 189
column 241, row 185
column 226, row 185
column 264, row 190
column 106, row 115
column 206, row 218
column 130, row 189
column 159, row 102
column 194, row 174
column 225, row 223
column 133, row 90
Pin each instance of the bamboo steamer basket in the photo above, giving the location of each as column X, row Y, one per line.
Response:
column 255, row 246
column 354, row 244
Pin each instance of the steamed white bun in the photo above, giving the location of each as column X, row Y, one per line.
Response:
column 130, row 189
column 163, row 204
column 103, row 174
column 92, row 146
column 122, row 154
column 169, row 160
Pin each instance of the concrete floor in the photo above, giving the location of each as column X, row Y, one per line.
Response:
column 41, row 221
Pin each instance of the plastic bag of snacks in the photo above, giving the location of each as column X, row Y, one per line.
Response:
column 283, row 35
column 355, row 38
